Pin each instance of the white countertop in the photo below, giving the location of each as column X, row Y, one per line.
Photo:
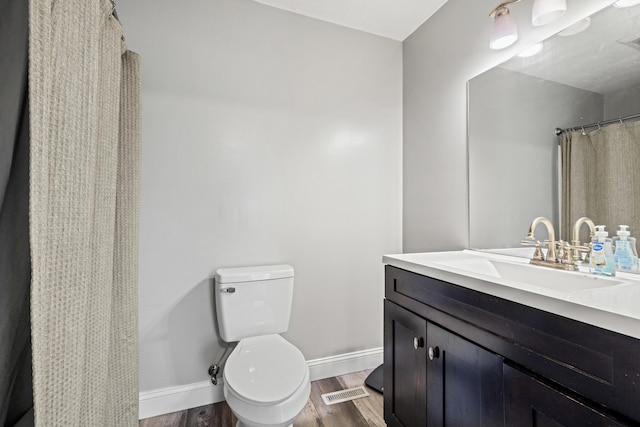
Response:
column 609, row 303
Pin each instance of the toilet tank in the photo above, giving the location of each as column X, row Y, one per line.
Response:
column 252, row 301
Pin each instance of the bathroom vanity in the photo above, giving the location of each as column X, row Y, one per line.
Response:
column 475, row 339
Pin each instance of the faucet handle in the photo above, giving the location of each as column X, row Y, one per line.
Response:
column 525, row 242
column 537, row 253
column 568, row 251
column 581, row 248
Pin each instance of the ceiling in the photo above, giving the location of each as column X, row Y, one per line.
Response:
column 394, row 19
column 604, row 58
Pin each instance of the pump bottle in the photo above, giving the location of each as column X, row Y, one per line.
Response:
column 601, row 259
column 625, row 254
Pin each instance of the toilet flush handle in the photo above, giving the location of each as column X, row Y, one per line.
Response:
column 228, row 290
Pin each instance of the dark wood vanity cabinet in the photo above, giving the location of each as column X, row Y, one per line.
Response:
column 433, row 369
column 405, row 367
column 458, row 357
column 531, row 403
column 455, row 367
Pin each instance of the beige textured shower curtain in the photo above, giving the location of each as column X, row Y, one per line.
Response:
column 85, row 136
column 601, row 178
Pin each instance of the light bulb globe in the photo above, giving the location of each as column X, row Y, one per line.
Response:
column 546, row 11
column 504, row 31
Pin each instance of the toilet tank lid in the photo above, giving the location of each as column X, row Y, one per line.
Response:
column 251, row 274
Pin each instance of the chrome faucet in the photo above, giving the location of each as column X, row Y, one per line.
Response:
column 551, row 247
column 575, row 236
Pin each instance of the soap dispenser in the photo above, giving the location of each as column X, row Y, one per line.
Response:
column 601, row 259
column 625, row 255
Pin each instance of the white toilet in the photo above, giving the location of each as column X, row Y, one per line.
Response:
column 266, row 378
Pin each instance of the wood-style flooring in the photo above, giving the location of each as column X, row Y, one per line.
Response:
column 363, row 412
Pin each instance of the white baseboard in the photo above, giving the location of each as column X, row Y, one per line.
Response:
column 341, row 364
column 172, row 399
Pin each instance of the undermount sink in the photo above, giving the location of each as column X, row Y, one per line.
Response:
column 567, row 281
column 524, row 275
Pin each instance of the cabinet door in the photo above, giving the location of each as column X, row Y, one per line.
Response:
column 464, row 382
column 405, row 397
column 529, row 402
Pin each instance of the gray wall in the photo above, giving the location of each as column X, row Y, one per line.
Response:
column 439, row 58
column 514, row 162
column 624, row 102
column 268, row 137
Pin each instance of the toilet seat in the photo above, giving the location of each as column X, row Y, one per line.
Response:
column 265, row 370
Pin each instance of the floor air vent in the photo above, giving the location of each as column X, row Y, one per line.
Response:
column 344, row 395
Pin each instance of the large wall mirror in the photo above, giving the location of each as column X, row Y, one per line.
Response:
column 578, row 78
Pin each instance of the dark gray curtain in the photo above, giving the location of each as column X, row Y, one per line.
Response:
column 16, row 395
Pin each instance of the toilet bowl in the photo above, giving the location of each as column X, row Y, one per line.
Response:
column 266, row 382
column 266, row 378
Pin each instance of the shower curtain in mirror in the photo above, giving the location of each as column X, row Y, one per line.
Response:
column 84, row 123
column 16, row 397
column 601, row 178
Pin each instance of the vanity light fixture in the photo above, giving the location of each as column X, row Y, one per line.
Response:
column 504, row 31
column 546, row 11
column 626, row 3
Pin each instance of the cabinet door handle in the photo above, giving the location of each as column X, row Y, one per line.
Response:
column 418, row 342
column 434, row 353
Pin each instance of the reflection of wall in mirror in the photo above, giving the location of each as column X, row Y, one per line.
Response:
column 513, row 151
column 621, row 103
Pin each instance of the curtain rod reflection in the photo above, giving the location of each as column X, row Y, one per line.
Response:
column 598, row 124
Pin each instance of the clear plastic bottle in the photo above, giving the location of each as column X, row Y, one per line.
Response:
column 601, row 258
column 625, row 254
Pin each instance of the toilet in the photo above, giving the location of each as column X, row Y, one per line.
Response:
column 266, row 378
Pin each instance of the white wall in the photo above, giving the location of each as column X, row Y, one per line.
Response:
column 438, row 59
column 268, row 137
